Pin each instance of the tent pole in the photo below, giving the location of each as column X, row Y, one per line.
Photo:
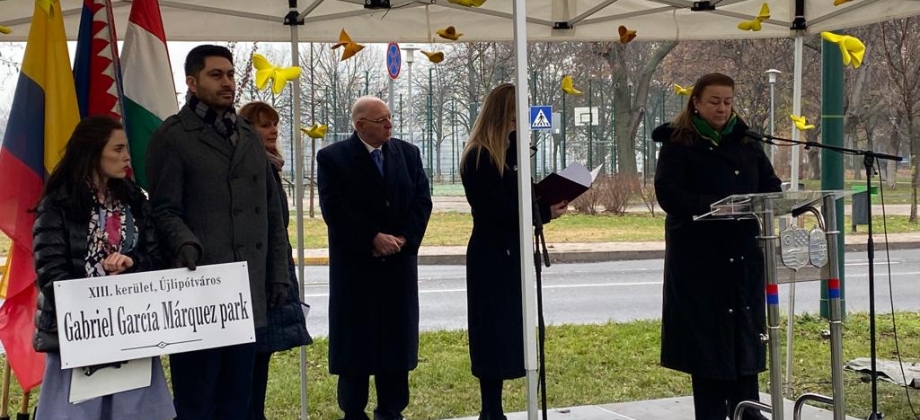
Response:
column 525, row 225
column 294, row 21
column 796, row 109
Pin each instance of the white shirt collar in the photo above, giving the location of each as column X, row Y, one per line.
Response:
column 370, row 149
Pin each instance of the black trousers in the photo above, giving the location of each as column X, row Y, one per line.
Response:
column 715, row 399
column 392, row 395
column 490, row 393
column 260, row 385
column 212, row 384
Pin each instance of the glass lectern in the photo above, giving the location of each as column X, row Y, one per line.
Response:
column 799, row 256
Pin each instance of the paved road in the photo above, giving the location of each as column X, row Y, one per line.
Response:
column 458, row 204
column 623, row 291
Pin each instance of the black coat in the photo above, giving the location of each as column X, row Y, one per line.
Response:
column 493, row 266
column 219, row 198
column 714, row 306
column 59, row 246
column 286, row 327
column 373, row 302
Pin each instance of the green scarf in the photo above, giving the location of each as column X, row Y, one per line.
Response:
column 710, row 133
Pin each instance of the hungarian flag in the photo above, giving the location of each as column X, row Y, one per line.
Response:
column 149, row 88
column 43, row 115
column 97, row 73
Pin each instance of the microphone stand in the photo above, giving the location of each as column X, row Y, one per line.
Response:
column 869, row 159
column 540, row 256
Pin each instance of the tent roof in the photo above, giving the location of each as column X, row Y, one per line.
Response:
column 416, row 20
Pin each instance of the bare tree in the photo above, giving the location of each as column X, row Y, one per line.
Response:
column 629, row 112
column 900, row 45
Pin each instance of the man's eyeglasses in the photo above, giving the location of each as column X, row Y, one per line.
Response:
column 380, row 120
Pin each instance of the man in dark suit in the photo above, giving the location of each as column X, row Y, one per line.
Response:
column 215, row 201
column 374, row 195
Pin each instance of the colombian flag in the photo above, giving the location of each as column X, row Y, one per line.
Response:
column 43, row 115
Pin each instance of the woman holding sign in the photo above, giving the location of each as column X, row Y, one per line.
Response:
column 92, row 221
column 493, row 257
column 714, row 311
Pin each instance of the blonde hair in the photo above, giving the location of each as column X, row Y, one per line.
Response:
column 492, row 127
column 683, row 124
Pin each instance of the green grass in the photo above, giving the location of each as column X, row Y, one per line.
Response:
column 453, row 228
column 614, row 363
column 596, row 364
column 899, row 195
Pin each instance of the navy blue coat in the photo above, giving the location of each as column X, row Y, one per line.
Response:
column 373, row 302
column 714, row 304
column 286, row 327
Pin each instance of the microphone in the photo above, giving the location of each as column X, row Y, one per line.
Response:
column 757, row 136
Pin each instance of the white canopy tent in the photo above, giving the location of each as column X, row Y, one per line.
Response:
column 496, row 20
column 416, row 20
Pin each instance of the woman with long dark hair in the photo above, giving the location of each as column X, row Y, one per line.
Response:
column 713, row 315
column 488, row 168
column 92, row 221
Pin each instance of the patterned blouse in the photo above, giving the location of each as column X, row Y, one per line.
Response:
column 109, row 227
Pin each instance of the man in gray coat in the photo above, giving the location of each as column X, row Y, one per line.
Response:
column 215, row 201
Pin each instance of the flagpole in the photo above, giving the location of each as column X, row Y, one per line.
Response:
column 5, row 399
column 294, row 20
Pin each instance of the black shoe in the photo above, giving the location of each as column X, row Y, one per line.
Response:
column 388, row 416
column 492, row 416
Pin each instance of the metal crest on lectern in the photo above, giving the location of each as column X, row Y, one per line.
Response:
column 794, row 247
column 817, row 247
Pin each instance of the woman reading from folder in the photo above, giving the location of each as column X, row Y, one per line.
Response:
column 92, row 221
column 714, row 310
column 488, row 168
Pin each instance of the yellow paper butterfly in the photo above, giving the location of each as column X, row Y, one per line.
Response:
column 317, row 131
column 683, row 91
column 626, row 35
column 800, row 123
column 568, row 86
column 468, row 3
column 449, row 33
column 351, row 47
column 266, row 71
column 851, row 48
column 434, row 57
column 755, row 24
column 45, row 5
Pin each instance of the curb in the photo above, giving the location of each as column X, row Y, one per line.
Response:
column 574, row 257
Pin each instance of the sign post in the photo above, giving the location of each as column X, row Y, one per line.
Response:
column 394, row 65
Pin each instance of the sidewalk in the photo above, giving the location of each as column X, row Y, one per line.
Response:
column 576, row 252
column 680, row 408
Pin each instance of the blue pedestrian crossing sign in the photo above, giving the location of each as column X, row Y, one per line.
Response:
column 541, row 117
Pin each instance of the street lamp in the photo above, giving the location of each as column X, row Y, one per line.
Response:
column 410, row 58
column 771, row 77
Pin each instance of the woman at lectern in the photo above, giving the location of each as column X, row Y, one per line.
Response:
column 714, row 309
column 92, row 221
column 488, row 168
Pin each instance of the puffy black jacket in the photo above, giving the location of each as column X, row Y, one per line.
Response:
column 59, row 245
